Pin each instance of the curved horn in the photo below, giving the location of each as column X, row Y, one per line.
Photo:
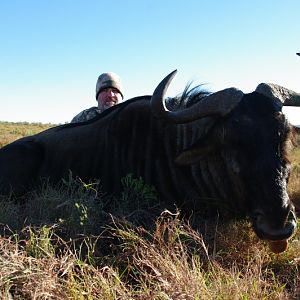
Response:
column 281, row 95
column 219, row 103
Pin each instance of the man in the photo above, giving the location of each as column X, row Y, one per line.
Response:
column 109, row 92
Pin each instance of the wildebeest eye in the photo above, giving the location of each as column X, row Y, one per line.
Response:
column 235, row 166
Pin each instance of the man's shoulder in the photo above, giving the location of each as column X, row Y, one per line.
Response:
column 86, row 114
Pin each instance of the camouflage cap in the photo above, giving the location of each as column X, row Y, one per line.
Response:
column 107, row 80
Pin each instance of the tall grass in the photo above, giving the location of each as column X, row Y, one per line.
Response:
column 171, row 262
column 71, row 241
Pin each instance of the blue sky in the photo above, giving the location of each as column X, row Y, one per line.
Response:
column 52, row 51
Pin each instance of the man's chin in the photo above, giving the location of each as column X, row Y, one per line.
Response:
column 109, row 104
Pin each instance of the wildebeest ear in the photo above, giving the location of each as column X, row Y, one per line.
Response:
column 196, row 152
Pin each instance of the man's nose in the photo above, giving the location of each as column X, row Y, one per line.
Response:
column 110, row 93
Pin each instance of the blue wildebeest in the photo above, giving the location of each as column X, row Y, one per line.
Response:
column 222, row 146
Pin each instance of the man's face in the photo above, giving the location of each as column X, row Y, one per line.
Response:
column 108, row 97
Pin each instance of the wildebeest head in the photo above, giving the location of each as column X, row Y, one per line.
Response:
column 251, row 135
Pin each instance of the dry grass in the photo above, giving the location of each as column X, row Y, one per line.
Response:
column 9, row 131
column 56, row 248
column 294, row 187
column 172, row 262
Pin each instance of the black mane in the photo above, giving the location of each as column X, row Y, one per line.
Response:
column 189, row 97
column 105, row 112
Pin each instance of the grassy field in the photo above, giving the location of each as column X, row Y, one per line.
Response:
column 12, row 131
column 61, row 243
